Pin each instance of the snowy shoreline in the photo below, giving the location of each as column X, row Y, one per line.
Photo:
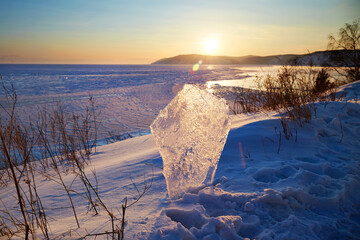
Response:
column 309, row 190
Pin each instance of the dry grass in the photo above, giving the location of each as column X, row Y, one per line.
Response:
column 55, row 145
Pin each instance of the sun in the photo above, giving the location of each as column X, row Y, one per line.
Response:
column 210, row 45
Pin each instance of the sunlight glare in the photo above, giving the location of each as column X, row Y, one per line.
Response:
column 210, row 45
column 196, row 67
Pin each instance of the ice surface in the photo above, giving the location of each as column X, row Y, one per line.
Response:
column 191, row 132
column 123, row 93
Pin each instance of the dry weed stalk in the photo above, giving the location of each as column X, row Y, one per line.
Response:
column 56, row 141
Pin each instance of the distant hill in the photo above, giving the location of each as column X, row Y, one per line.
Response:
column 321, row 58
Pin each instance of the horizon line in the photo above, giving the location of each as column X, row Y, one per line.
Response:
column 207, row 55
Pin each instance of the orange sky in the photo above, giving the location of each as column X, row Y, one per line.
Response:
column 140, row 32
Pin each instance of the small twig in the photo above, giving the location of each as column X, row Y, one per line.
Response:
column 342, row 131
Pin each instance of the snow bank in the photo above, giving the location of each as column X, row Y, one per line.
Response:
column 309, row 190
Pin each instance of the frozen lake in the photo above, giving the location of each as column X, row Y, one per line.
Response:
column 128, row 96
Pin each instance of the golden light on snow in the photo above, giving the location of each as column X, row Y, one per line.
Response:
column 209, row 87
column 210, row 45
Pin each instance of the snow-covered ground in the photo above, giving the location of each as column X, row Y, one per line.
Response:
column 306, row 187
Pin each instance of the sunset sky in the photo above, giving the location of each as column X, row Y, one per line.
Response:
column 140, row 32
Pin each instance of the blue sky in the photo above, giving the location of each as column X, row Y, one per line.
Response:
column 143, row 31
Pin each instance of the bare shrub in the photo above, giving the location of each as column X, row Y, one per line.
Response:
column 322, row 82
column 46, row 142
column 56, row 145
column 293, row 91
column 17, row 144
column 246, row 100
column 289, row 91
column 118, row 221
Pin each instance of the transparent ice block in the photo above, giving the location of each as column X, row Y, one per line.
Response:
column 190, row 133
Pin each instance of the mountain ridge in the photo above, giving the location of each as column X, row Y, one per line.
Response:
column 318, row 58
